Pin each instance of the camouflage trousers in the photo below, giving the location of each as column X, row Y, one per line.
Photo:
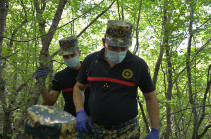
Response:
column 126, row 130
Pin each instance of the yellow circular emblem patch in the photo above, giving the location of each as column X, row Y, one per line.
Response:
column 127, row 73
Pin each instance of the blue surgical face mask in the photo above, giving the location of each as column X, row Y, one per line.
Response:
column 72, row 62
column 115, row 57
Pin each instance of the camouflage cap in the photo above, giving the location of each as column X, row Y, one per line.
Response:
column 68, row 45
column 44, row 122
column 119, row 33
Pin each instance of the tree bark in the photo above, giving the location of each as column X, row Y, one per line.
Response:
column 137, row 29
column 123, row 17
column 7, row 124
column 204, row 103
column 169, row 69
column 188, row 65
column 134, row 52
column 44, row 57
column 2, row 25
column 144, row 116
column 3, row 15
column 158, row 63
column 118, row 10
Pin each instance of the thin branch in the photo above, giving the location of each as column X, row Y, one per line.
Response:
column 201, row 49
column 158, row 63
column 6, row 57
column 137, row 29
column 186, row 32
column 36, row 3
column 55, row 53
column 118, row 9
column 23, row 77
column 204, row 132
column 143, row 115
column 95, row 19
column 55, row 28
column 122, row 12
column 61, row 63
column 21, row 87
column 16, row 30
column 44, row 5
column 188, row 55
column 196, row 53
column 57, row 17
column 24, row 9
column 25, row 83
column 132, row 9
column 204, row 22
column 205, row 96
column 13, row 109
column 185, row 110
column 152, row 26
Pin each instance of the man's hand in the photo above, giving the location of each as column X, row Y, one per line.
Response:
column 41, row 72
column 81, row 117
column 154, row 134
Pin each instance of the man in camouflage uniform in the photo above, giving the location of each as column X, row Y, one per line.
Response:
column 114, row 75
column 65, row 79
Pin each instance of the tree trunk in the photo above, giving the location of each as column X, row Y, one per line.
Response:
column 7, row 129
column 169, row 70
column 204, row 103
column 3, row 15
column 44, row 57
column 188, row 65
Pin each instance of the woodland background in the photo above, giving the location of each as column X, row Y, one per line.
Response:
column 173, row 36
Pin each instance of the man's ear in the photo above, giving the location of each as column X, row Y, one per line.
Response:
column 103, row 40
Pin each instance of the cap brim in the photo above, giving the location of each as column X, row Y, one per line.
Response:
column 67, row 52
column 119, row 42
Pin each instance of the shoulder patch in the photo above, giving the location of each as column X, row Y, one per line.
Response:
column 127, row 73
